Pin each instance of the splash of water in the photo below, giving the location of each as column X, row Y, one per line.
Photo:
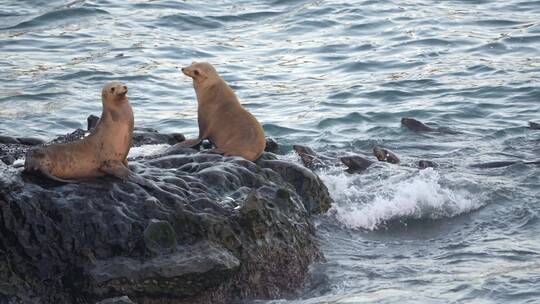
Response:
column 419, row 196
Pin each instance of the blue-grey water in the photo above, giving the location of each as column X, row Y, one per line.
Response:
column 337, row 76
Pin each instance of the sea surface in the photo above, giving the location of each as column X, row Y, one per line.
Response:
column 336, row 76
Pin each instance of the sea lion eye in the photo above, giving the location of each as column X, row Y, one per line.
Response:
column 112, row 90
column 196, row 72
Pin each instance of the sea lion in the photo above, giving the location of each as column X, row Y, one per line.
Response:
column 312, row 160
column 500, row 164
column 221, row 117
column 424, row 164
column 418, row 126
column 534, row 125
column 355, row 163
column 102, row 152
column 385, row 155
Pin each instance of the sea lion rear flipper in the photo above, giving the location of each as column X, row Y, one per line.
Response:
column 118, row 169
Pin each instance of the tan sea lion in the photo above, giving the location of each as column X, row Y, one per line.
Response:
column 221, row 117
column 102, row 152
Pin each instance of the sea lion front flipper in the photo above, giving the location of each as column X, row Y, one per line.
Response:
column 118, row 169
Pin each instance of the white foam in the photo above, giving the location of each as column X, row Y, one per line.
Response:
column 403, row 196
column 145, row 150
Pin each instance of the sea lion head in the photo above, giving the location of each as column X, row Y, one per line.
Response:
column 202, row 73
column 114, row 92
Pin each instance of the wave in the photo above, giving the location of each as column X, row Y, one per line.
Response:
column 420, row 196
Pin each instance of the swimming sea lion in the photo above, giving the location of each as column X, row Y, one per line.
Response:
column 500, row 164
column 534, row 125
column 221, row 117
column 312, row 160
column 385, row 155
column 418, row 126
column 424, row 164
column 102, row 152
column 355, row 163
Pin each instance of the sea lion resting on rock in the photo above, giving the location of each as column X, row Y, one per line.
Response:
column 102, row 152
column 221, row 117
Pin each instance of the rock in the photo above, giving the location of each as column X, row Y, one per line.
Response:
column 8, row 140
column 29, row 141
column 159, row 237
column 117, row 300
column 153, row 138
column 215, row 230
column 92, row 121
column 142, row 136
column 534, row 125
column 271, row 146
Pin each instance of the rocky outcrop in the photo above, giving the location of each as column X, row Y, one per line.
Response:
column 212, row 230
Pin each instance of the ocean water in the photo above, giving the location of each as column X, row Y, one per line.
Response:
column 336, row 76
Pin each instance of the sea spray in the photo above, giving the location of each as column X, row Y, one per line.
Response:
column 417, row 196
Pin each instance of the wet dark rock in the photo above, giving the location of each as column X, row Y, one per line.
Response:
column 214, row 230
column 117, row 300
column 159, row 237
column 141, row 136
column 271, row 146
column 153, row 138
column 27, row 141
column 92, row 121
column 73, row 136
column 8, row 140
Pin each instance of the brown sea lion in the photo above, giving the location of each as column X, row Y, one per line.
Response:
column 221, row 117
column 504, row 163
column 355, row 163
column 418, row 126
column 102, row 152
column 313, row 160
column 385, row 155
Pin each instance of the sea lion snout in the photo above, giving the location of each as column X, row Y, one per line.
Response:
column 114, row 88
column 122, row 90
